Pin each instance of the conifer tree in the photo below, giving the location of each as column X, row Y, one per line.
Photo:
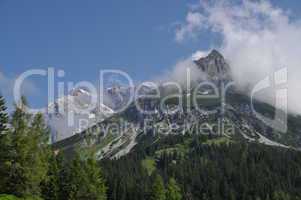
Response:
column 158, row 189
column 25, row 164
column 51, row 185
column 85, row 180
column 4, row 144
column 173, row 191
column 96, row 188
column 3, row 116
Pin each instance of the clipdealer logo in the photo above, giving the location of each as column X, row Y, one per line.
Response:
column 278, row 82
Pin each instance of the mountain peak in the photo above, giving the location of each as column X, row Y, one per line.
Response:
column 215, row 54
column 79, row 91
column 214, row 65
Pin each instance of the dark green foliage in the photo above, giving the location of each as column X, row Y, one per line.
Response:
column 127, row 179
column 225, row 171
column 8, row 197
column 158, row 189
column 82, row 179
column 173, row 191
column 11, row 197
column 24, row 165
column 3, row 116
column 74, row 179
column 29, row 169
column 51, row 185
column 3, row 142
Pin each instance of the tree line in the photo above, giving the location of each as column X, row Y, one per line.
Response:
column 31, row 169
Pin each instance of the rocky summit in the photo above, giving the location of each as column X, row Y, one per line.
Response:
column 215, row 66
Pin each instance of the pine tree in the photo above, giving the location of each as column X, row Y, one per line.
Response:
column 3, row 116
column 51, row 185
column 39, row 138
column 84, row 180
column 158, row 189
column 4, row 145
column 173, row 191
column 11, row 143
column 96, row 188
column 25, row 163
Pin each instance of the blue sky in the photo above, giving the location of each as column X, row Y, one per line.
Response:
column 83, row 37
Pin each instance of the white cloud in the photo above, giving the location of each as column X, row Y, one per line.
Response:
column 199, row 54
column 182, row 72
column 257, row 39
column 194, row 21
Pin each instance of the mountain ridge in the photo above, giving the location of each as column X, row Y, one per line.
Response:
column 237, row 114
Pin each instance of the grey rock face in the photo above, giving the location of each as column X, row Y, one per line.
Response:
column 215, row 66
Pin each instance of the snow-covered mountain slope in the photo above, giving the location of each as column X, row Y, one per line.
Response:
column 71, row 114
column 119, row 96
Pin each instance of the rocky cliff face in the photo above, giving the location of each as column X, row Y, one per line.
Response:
column 215, row 66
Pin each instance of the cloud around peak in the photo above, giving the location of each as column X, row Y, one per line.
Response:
column 257, row 39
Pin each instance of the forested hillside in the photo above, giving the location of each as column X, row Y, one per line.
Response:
column 205, row 167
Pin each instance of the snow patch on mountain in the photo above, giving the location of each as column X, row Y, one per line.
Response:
column 71, row 114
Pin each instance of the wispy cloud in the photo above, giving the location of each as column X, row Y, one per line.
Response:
column 257, row 39
column 190, row 28
column 182, row 72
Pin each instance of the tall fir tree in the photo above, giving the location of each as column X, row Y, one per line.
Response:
column 51, row 185
column 25, row 164
column 84, row 180
column 3, row 116
column 173, row 191
column 158, row 189
column 96, row 188
column 4, row 144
